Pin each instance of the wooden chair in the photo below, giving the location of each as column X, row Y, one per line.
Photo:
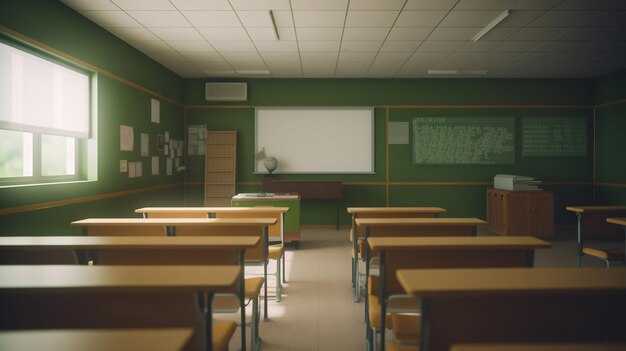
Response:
column 592, row 224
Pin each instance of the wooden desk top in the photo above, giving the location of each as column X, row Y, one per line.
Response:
column 419, row 221
column 461, row 242
column 59, row 278
column 386, row 210
column 160, row 339
column 620, row 221
column 582, row 209
column 121, row 242
column 268, row 209
column 176, row 221
column 483, row 281
column 599, row 346
column 275, row 197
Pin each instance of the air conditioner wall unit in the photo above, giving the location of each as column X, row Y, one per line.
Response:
column 226, row 91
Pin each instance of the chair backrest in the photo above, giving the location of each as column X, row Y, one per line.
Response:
column 125, row 230
column 468, row 257
column 253, row 254
column 32, row 256
column 274, row 231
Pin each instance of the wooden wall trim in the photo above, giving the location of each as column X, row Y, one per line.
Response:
column 399, row 106
column 85, row 64
column 616, row 185
column 611, row 103
column 78, row 200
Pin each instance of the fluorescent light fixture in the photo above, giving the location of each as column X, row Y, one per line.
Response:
column 455, row 71
column 490, row 26
column 274, row 25
column 259, row 72
column 220, row 73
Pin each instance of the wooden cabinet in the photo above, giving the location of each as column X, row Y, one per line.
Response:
column 220, row 167
column 520, row 212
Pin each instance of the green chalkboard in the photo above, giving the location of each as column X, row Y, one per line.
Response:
column 554, row 136
column 463, row 140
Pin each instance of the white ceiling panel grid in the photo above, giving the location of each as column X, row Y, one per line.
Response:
column 370, row 38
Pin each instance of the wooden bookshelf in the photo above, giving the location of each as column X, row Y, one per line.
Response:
column 220, row 167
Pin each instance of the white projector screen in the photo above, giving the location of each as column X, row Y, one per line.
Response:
column 316, row 140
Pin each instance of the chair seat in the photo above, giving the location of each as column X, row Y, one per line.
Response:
column 374, row 313
column 406, row 327
column 276, row 252
column 222, row 332
column 253, row 287
column 606, row 254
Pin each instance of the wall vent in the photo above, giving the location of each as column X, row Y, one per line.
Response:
column 226, row 91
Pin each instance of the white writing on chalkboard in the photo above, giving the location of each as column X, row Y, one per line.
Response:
column 554, row 136
column 463, row 140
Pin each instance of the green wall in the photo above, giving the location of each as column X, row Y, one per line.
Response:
column 405, row 99
column 55, row 25
column 610, row 141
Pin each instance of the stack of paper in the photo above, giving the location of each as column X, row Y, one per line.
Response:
column 515, row 182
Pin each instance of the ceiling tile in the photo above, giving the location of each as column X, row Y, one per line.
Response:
column 376, row 4
column 357, row 57
column 534, row 4
column 233, row 46
column 453, row 33
column 319, row 19
column 169, row 57
column 319, row 46
column 409, row 33
column 283, row 18
column 191, row 45
column 594, row 34
column 242, row 57
column 479, row 46
column 469, row 19
column 590, row 5
column 214, row 5
column 298, row 5
column 441, row 45
column 177, row 33
column 537, row 33
column 520, row 18
column 361, row 45
column 212, row 18
column 233, row 33
column 365, row 33
column 499, row 33
column 481, row 57
column 133, row 33
column 430, row 4
column 517, row 45
column 91, row 4
column 148, row 46
column 465, row 66
column 399, row 46
column 111, row 19
column 500, row 5
column 202, row 57
column 392, row 57
column 276, row 46
column 350, row 72
column 616, row 18
column 260, row 4
column 285, row 34
column 581, row 45
column 160, row 18
column 313, row 57
column 366, row 19
column 318, row 33
column 563, row 18
column 281, row 58
column 255, row 19
column 428, row 19
column 426, row 58
column 151, row 5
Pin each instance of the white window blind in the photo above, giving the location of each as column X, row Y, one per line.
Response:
column 37, row 95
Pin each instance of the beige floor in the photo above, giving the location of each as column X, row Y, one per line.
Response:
column 317, row 312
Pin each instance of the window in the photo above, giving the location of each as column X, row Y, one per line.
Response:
column 44, row 117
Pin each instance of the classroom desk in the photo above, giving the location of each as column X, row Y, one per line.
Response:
column 512, row 305
column 622, row 222
column 154, row 249
column 172, row 339
column 380, row 212
column 592, row 223
column 30, row 296
column 412, row 227
column 445, row 252
column 599, row 346
column 172, row 223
